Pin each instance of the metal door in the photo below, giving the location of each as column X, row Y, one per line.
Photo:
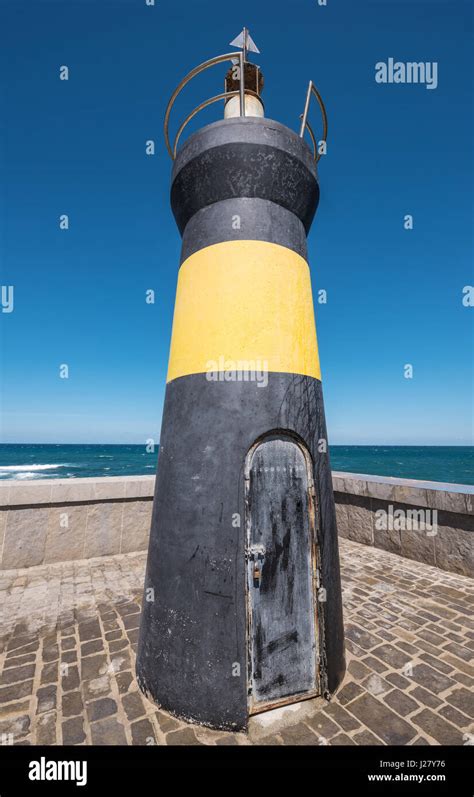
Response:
column 281, row 574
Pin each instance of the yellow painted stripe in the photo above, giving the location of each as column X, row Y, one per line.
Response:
column 244, row 301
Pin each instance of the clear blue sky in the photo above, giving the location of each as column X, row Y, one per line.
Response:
column 78, row 147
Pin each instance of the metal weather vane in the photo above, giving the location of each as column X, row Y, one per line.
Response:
column 245, row 42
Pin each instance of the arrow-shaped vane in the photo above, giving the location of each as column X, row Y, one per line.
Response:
column 245, row 42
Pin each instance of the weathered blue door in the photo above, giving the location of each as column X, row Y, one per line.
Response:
column 281, row 574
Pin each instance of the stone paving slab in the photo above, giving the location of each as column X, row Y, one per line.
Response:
column 68, row 635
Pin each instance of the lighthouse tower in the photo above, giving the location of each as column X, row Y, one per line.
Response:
column 242, row 603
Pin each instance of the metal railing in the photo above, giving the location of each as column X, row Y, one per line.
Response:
column 305, row 125
column 196, row 71
column 241, row 92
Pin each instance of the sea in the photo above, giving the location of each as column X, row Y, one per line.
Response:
column 454, row 464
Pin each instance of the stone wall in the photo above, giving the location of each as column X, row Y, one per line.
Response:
column 386, row 513
column 51, row 521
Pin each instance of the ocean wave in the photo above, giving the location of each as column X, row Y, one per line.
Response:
column 29, row 468
column 25, row 474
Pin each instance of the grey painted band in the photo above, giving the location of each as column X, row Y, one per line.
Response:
column 248, row 130
column 258, row 220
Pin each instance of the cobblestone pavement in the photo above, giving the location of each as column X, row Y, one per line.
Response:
column 68, row 635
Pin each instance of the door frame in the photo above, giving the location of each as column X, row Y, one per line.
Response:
column 284, row 434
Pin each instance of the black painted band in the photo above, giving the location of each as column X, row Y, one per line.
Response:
column 241, row 169
column 193, row 632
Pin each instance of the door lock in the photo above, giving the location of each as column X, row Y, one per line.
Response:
column 255, row 554
column 257, row 573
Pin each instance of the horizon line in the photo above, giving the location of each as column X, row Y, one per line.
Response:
column 331, row 445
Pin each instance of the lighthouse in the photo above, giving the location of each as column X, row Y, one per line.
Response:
column 242, row 607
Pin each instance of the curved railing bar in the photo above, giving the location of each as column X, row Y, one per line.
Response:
column 304, row 117
column 196, row 71
column 204, row 104
column 312, row 137
column 196, row 111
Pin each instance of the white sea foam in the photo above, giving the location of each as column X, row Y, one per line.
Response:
column 31, row 467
